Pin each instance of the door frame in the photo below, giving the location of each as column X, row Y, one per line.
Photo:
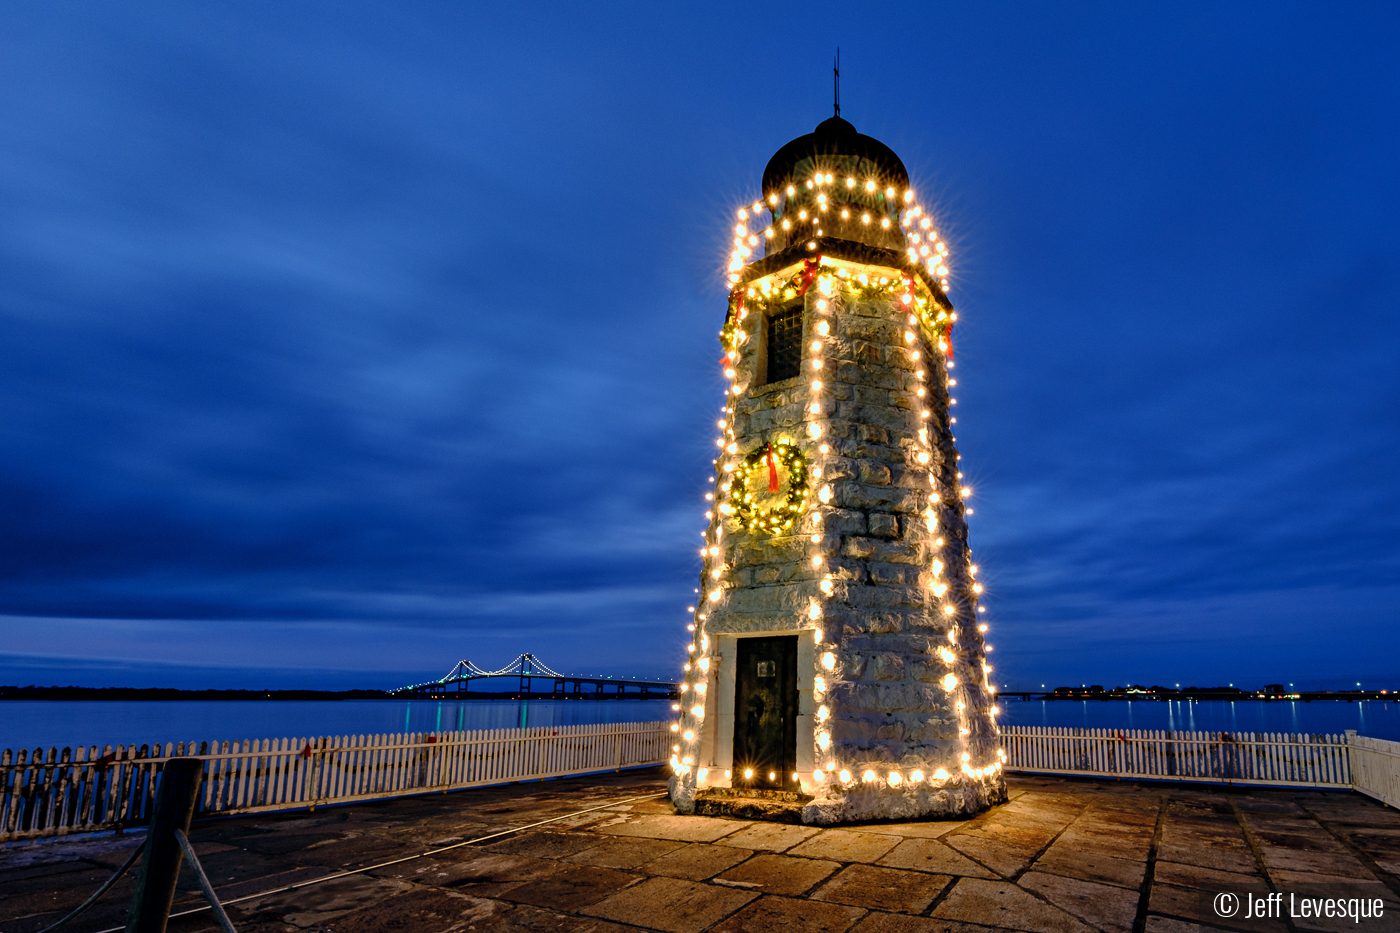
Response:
column 717, row 749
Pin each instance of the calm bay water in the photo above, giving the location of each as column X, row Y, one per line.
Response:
column 35, row 723
column 1377, row 718
column 45, row 723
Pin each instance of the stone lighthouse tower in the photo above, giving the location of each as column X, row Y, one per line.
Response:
column 838, row 663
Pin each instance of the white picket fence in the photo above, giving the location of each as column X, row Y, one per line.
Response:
column 84, row 789
column 1375, row 767
column 1370, row 766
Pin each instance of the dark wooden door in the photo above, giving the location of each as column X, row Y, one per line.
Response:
column 765, row 712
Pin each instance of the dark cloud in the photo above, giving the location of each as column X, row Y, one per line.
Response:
column 339, row 342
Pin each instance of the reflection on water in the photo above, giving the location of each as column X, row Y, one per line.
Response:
column 1377, row 718
column 33, row 723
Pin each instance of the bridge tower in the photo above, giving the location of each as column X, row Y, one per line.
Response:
column 838, row 660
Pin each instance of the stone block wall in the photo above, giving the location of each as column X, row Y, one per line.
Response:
column 878, row 568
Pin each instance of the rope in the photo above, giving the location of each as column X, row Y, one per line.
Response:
column 224, row 923
column 397, row 861
column 131, row 860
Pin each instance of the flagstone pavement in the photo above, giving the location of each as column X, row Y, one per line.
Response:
column 1063, row 856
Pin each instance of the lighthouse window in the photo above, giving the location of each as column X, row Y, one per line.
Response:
column 784, row 344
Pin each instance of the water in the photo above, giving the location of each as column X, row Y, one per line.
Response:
column 34, row 723
column 46, row 723
column 1377, row 718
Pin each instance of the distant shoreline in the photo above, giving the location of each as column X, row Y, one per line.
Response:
column 172, row 693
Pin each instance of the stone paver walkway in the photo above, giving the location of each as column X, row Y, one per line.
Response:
column 1063, row 856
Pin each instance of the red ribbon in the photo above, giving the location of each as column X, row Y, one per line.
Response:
column 105, row 761
column 772, row 471
column 948, row 338
column 809, row 272
column 306, row 752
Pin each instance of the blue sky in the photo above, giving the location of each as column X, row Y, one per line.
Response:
column 342, row 341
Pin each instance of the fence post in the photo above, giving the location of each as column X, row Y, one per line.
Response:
column 155, row 881
column 1348, row 740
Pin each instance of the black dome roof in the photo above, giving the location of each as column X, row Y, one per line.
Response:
column 834, row 137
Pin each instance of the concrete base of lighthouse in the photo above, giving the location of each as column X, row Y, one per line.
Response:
column 956, row 798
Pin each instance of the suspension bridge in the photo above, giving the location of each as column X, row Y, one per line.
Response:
column 527, row 677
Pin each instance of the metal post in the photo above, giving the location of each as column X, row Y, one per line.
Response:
column 155, row 881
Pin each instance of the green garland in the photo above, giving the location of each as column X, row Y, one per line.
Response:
column 751, row 474
column 756, row 299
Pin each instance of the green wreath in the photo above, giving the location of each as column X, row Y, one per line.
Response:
column 751, row 481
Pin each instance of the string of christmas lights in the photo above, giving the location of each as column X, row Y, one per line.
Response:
column 835, row 280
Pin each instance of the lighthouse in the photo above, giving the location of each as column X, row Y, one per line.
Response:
column 837, row 666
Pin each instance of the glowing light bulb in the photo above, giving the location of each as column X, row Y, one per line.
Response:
column 941, row 774
column 845, row 776
column 829, row 661
column 869, row 777
column 949, row 681
column 689, row 736
column 947, row 655
column 894, row 779
column 823, row 740
column 916, row 776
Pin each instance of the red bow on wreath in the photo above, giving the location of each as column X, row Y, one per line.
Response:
column 809, row 272
column 772, row 471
